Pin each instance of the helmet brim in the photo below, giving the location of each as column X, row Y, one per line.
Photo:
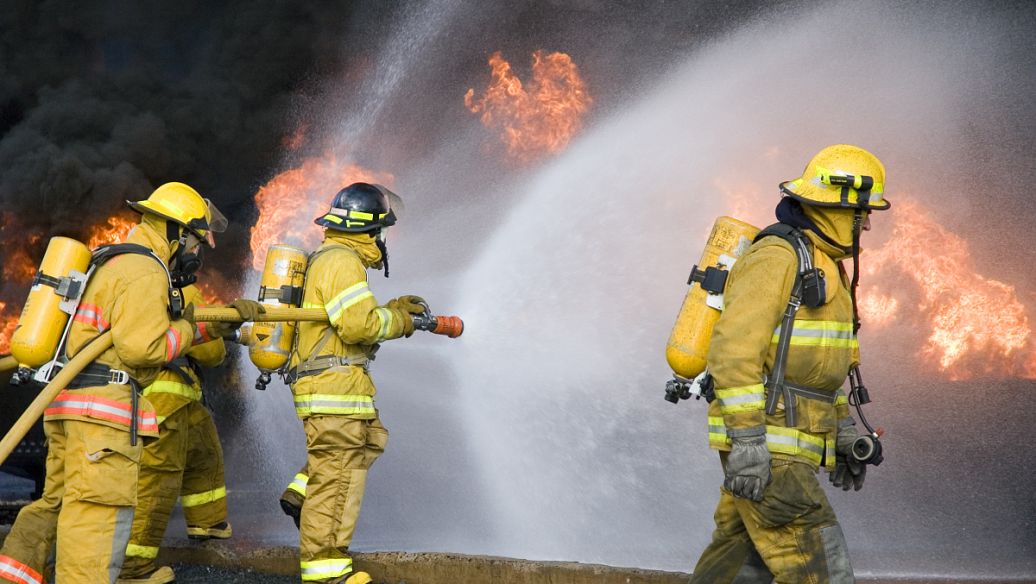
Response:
column 807, row 200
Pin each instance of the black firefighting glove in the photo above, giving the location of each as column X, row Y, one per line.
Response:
column 747, row 472
column 409, row 303
column 849, row 472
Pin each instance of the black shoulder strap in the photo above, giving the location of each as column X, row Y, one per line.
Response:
column 103, row 253
column 809, row 289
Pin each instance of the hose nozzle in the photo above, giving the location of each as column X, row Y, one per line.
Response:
column 450, row 326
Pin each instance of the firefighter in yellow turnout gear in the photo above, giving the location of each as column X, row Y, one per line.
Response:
column 186, row 461
column 92, row 461
column 334, row 394
column 773, row 520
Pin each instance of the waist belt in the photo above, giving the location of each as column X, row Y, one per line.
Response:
column 323, row 363
column 789, row 390
column 96, row 374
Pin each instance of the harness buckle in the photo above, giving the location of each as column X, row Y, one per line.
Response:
column 118, row 377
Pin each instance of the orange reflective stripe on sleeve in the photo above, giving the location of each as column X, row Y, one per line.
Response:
column 92, row 315
column 173, row 344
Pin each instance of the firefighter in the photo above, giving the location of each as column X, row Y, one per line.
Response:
column 95, row 428
column 773, row 520
column 334, row 394
column 185, row 461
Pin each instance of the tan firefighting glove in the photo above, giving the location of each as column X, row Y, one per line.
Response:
column 248, row 309
column 409, row 304
column 188, row 315
column 747, row 472
column 849, row 472
column 408, row 322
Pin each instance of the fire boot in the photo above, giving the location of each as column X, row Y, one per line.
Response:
column 218, row 531
column 359, row 578
column 291, row 504
column 163, row 575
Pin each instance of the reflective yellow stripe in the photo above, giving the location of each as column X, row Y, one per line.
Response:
column 164, row 386
column 320, row 403
column 325, row 569
column 779, row 440
column 298, row 484
column 345, row 299
column 203, row 498
column 741, row 399
column 841, row 399
column 141, row 551
column 820, row 333
column 332, row 218
column 718, row 432
column 385, row 315
column 361, row 215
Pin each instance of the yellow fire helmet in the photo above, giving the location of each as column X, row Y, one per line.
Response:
column 182, row 204
column 841, row 176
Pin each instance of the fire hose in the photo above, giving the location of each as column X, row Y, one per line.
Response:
column 102, row 343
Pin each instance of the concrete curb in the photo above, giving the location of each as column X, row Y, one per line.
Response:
column 418, row 568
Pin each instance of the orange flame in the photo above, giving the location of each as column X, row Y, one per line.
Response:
column 978, row 326
column 114, row 230
column 539, row 119
column 18, row 265
column 289, row 202
column 8, row 322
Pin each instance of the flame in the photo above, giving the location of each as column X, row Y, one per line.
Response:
column 976, row 325
column 289, row 202
column 114, row 230
column 8, row 322
column 535, row 120
column 18, row 265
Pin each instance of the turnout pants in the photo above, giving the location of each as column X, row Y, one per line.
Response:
column 340, row 450
column 86, row 508
column 185, row 461
column 791, row 536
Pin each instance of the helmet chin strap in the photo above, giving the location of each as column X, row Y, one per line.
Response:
column 858, row 216
column 378, row 241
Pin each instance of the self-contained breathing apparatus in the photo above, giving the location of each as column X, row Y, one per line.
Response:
column 39, row 341
column 810, row 288
column 271, row 344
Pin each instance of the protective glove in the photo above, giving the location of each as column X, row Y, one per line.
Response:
column 248, row 309
column 408, row 322
column 848, row 472
column 408, row 303
column 748, row 464
column 188, row 315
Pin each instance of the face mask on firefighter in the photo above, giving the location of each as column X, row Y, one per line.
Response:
column 186, row 261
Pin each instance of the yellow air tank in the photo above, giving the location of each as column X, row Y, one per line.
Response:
column 270, row 343
column 52, row 299
column 689, row 342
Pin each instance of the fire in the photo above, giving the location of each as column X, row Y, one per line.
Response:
column 8, row 322
column 976, row 325
column 114, row 230
column 540, row 118
column 289, row 202
column 18, row 265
